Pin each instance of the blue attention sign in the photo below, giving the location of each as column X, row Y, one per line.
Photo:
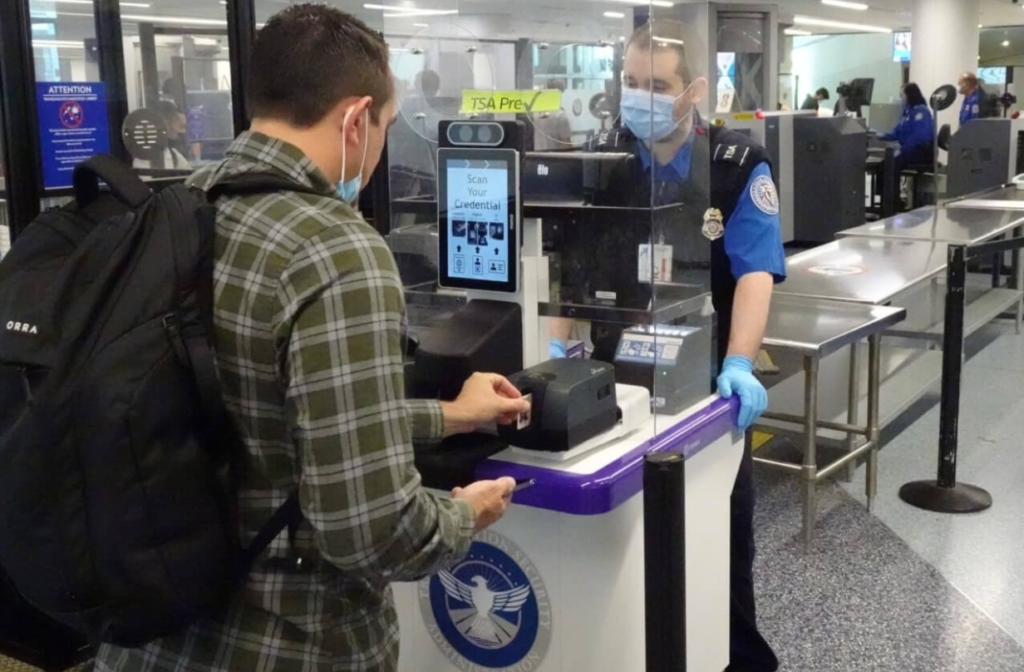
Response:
column 72, row 127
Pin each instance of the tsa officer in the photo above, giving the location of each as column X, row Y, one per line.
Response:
column 738, row 207
column 915, row 131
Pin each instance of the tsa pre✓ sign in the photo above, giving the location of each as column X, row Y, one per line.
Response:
column 72, row 127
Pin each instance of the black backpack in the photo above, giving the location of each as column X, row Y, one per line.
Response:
column 117, row 456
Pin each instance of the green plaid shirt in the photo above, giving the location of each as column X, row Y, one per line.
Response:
column 309, row 312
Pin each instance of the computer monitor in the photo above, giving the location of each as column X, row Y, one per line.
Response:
column 478, row 218
column 574, row 178
column 993, row 76
column 901, row 47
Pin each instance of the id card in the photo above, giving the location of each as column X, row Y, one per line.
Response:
column 656, row 261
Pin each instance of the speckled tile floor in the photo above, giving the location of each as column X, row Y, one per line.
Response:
column 908, row 590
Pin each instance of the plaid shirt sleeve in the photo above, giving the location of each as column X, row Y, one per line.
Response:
column 341, row 310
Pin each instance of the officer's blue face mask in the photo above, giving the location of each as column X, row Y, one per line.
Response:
column 348, row 190
column 650, row 116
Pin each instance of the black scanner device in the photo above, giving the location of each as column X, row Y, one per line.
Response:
column 571, row 401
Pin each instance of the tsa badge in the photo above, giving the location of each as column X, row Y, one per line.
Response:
column 713, row 227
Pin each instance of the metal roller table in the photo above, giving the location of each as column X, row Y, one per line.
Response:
column 1006, row 197
column 815, row 329
column 966, row 225
column 869, row 272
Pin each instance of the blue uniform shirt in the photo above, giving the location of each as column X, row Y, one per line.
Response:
column 753, row 234
column 915, row 129
column 971, row 108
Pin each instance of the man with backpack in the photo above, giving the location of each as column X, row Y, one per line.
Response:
column 308, row 316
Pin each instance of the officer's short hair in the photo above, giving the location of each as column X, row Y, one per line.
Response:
column 676, row 36
column 822, row 93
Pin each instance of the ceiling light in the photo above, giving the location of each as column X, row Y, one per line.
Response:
column 399, row 12
column 422, row 25
column 139, row 5
column 614, row 15
column 639, row 3
column 1006, row 43
column 796, row 32
column 826, row 23
column 184, row 20
column 669, row 40
column 57, row 44
column 859, row 6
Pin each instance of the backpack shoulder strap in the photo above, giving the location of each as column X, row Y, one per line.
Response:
column 123, row 183
column 257, row 183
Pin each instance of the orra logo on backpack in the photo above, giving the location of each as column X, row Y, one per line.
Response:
column 491, row 611
column 22, row 328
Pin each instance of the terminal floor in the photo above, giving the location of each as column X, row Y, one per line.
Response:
column 907, row 590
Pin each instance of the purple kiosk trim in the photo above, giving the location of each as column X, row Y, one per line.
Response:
column 607, row 488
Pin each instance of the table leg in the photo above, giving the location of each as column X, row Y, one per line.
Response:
column 852, row 408
column 874, row 393
column 1017, row 278
column 810, row 466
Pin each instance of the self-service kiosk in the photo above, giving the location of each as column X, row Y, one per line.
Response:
column 559, row 582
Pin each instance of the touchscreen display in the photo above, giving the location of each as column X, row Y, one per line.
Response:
column 478, row 220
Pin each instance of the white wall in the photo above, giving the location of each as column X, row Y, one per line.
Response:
column 826, row 60
column 946, row 40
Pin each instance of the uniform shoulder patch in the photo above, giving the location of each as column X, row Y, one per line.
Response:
column 764, row 195
column 919, row 116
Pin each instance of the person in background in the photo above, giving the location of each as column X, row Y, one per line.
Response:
column 176, row 127
column 978, row 104
column 915, row 131
column 813, row 101
column 309, row 315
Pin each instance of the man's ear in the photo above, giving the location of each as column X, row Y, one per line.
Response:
column 349, row 115
column 698, row 90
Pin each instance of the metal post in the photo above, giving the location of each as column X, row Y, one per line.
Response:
column 810, row 467
column 890, row 184
column 110, row 41
column 853, row 407
column 150, row 74
column 1017, row 279
column 944, row 494
column 18, row 106
column 874, row 402
column 241, row 37
column 665, row 562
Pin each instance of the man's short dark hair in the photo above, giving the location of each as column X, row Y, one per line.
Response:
column 308, row 58
column 665, row 35
column 822, row 93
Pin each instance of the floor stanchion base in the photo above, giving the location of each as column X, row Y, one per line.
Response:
column 962, row 498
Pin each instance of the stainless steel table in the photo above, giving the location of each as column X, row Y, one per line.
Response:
column 951, row 224
column 816, row 329
column 1007, row 197
column 862, row 270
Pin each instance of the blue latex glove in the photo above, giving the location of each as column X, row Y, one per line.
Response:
column 738, row 377
column 556, row 349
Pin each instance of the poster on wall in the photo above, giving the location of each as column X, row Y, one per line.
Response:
column 72, row 127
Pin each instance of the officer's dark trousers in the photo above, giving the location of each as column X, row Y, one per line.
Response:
column 749, row 652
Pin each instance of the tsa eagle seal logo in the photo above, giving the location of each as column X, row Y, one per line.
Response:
column 491, row 611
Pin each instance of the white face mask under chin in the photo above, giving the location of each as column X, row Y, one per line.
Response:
column 348, row 190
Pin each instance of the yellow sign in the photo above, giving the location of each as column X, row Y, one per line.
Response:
column 745, row 116
column 510, row 102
